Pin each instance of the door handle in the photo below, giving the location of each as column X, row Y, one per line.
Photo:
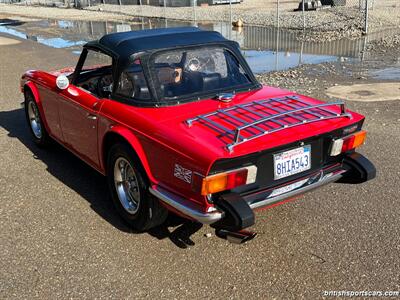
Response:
column 91, row 117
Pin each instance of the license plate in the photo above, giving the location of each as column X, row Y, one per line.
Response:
column 292, row 162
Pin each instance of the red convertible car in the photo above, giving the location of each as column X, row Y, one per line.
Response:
column 177, row 122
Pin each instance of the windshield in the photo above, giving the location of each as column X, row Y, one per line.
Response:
column 193, row 72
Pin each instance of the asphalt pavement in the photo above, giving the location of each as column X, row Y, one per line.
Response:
column 61, row 237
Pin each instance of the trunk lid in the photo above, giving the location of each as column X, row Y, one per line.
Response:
column 249, row 122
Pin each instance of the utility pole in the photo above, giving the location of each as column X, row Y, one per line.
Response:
column 366, row 17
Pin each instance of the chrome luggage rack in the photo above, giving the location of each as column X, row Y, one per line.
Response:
column 245, row 122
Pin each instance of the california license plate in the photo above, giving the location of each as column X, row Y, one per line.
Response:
column 292, row 162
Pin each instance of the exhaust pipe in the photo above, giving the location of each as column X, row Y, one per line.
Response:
column 239, row 237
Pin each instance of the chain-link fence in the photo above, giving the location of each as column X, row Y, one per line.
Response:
column 335, row 16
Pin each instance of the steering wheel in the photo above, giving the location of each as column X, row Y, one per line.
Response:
column 104, row 86
column 197, row 64
column 194, row 64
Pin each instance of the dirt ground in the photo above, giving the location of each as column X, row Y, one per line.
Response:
column 61, row 238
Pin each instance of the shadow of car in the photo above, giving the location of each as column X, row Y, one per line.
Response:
column 88, row 183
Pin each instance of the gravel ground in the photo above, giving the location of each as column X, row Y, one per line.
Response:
column 323, row 25
column 61, row 238
column 387, row 43
column 40, row 12
column 315, row 79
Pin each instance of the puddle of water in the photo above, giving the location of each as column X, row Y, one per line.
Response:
column 265, row 48
column 59, row 42
column 387, row 73
column 11, row 31
column 55, row 42
column 266, row 61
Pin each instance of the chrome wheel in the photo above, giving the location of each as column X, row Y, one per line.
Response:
column 34, row 119
column 126, row 185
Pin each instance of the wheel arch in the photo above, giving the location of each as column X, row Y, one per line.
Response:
column 30, row 87
column 122, row 135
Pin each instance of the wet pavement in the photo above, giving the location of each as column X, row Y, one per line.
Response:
column 391, row 73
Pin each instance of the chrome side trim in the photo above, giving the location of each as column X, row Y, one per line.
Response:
column 324, row 179
column 182, row 205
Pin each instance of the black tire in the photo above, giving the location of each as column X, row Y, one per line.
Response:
column 41, row 137
column 150, row 213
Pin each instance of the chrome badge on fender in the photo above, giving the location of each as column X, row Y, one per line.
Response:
column 183, row 173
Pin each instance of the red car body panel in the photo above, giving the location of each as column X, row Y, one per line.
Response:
column 158, row 135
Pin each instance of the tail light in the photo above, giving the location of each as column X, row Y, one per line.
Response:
column 224, row 181
column 347, row 143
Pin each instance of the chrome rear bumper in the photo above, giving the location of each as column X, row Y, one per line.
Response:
column 182, row 205
column 307, row 184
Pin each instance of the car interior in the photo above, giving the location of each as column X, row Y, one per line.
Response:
column 196, row 72
column 176, row 74
column 97, row 80
column 132, row 83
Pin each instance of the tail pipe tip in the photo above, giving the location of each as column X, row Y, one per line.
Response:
column 238, row 237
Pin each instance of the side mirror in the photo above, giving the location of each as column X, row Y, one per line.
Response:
column 62, row 82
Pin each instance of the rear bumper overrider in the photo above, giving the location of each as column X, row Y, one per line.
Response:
column 235, row 212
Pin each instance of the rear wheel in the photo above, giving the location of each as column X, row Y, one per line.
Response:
column 35, row 123
column 129, row 190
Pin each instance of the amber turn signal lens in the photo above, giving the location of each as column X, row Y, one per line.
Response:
column 353, row 141
column 347, row 143
column 214, row 184
column 226, row 180
column 359, row 138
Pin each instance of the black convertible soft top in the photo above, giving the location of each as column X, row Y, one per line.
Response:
column 124, row 44
column 126, row 47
